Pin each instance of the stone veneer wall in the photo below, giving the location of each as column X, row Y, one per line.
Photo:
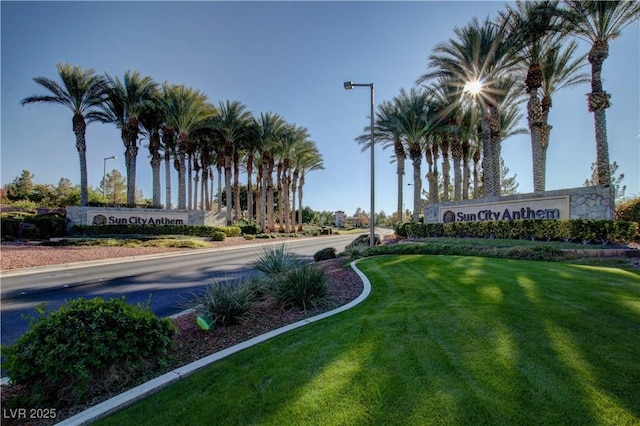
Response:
column 589, row 202
column 78, row 215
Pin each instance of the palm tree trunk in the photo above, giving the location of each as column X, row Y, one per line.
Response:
column 456, row 154
column 294, row 189
column 280, row 187
column 182, row 185
column 236, row 184
column 189, row 181
column 400, row 158
column 228, row 165
column 487, row 155
column 476, row 180
column 598, row 102
column 496, row 142
column 465, row 169
column 300, row 200
column 219, row 169
column 446, row 167
column 156, row 161
column 434, row 188
column 79, row 129
column 416, row 158
column 287, row 203
column 250, row 188
column 270, row 201
column 533, row 116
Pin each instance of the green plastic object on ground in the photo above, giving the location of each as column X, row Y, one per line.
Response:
column 203, row 323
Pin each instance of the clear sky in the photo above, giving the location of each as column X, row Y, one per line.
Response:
column 290, row 58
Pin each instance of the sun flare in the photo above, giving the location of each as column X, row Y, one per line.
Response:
column 473, row 87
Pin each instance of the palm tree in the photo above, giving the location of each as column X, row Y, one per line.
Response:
column 232, row 125
column 311, row 160
column 598, row 23
column 151, row 121
column 295, row 143
column 168, row 138
column 251, row 148
column 187, row 112
column 387, row 132
column 271, row 127
column 305, row 156
column 81, row 92
column 532, row 27
column 559, row 70
column 413, row 123
column 478, row 58
column 126, row 102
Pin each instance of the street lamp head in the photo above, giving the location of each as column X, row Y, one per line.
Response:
column 348, row 85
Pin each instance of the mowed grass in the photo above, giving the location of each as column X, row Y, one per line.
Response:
column 440, row 340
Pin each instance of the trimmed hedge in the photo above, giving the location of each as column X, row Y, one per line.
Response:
column 32, row 226
column 522, row 253
column 576, row 230
column 192, row 230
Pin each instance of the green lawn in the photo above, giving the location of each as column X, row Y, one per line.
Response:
column 441, row 340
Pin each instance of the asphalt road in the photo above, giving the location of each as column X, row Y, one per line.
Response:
column 165, row 281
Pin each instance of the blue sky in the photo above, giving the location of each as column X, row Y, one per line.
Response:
column 290, row 58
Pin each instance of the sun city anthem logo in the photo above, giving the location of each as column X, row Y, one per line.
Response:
column 99, row 219
column 449, row 217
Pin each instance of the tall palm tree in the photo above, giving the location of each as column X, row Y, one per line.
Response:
column 271, row 127
column 233, row 125
column 560, row 69
column 532, row 27
column 251, row 148
column 80, row 91
column 479, row 57
column 598, row 23
column 388, row 134
column 413, row 123
column 445, row 98
column 310, row 160
column 301, row 159
column 295, row 144
column 126, row 101
column 188, row 111
column 151, row 121
column 169, row 142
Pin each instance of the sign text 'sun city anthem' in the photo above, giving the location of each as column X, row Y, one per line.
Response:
column 137, row 218
column 537, row 208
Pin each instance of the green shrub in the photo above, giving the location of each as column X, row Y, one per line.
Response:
column 325, row 254
column 401, row 229
column 32, row 226
column 629, row 210
column 303, row 287
column 218, row 236
column 87, row 347
column 226, row 303
column 252, row 229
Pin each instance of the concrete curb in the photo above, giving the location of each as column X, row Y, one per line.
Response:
column 129, row 397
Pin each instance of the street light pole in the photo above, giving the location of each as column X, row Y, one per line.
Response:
column 348, row 85
column 104, row 174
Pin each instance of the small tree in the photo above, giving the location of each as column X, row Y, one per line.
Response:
column 615, row 181
column 114, row 187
